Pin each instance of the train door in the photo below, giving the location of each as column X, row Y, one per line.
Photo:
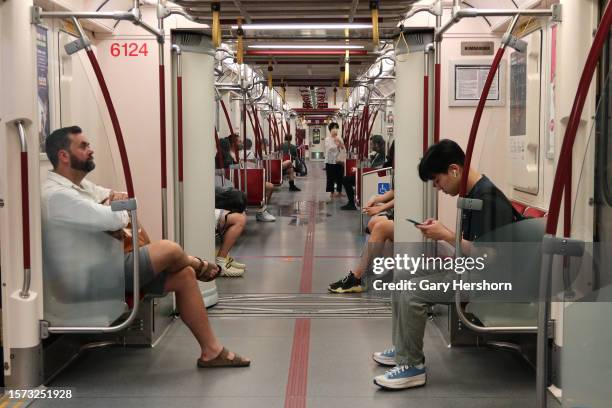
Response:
column 587, row 332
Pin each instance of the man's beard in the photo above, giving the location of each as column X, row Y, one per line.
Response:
column 82, row 165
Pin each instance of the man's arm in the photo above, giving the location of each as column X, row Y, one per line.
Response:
column 70, row 208
column 373, row 210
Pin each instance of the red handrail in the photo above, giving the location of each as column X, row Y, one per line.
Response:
column 476, row 120
column 372, row 123
column 179, row 120
column 115, row 121
column 563, row 171
column 255, row 134
column 220, row 160
column 364, row 128
column 162, row 126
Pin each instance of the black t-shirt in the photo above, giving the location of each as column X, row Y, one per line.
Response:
column 496, row 210
column 226, row 151
column 290, row 149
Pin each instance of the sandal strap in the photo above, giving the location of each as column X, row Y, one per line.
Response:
column 201, row 269
column 222, row 360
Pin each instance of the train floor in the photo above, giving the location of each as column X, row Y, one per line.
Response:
column 309, row 349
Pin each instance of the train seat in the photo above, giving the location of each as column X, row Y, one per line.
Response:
column 491, row 313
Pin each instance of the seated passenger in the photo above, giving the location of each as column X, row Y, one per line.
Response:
column 381, row 232
column 229, row 148
column 442, row 163
column 376, row 159
column 229, row 225
column 290, row 149
column 262, row 213
column 69, row 199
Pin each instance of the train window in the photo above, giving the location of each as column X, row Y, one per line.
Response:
column 525, row 117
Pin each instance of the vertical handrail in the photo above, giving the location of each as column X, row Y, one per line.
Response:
column 25, row 210
column 180, row 147
column 426, row 186
column 437, row 86
column 243, row 115
column 162, row 132
column 227, row 117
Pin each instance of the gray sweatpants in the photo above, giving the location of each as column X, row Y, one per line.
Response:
column 409, row 311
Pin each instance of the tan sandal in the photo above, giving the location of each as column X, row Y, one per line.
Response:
column 222, row 360
column 204, row 271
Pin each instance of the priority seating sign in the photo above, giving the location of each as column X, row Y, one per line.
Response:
column 383, row 187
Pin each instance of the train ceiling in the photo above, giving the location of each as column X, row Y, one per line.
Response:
column 303, row 68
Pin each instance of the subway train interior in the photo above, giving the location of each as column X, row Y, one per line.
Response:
column 197, row 203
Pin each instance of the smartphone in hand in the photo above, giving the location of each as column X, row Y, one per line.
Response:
column 414, row 222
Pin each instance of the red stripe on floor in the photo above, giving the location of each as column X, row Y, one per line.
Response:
column 297, row 380
column 306, row 276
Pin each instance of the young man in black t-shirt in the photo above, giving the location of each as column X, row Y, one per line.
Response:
column 288, row 148
column 443, row 164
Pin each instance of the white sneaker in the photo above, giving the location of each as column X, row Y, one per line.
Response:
column 402, row 377
column 265, row 216
column 385, row 358
column 236, row 264
column 227, row 268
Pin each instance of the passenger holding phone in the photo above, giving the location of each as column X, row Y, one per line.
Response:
column 379, row 204
column 443, row 164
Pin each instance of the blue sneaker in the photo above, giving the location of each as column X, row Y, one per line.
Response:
column 385, row 358
column 402, row 377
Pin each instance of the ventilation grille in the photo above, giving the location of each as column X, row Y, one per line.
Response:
column 191, row 41
column 417, row 41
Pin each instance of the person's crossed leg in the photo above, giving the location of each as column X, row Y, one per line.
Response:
column 169, row 258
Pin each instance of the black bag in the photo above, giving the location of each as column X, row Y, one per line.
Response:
column 300, row 167
column 230, row 199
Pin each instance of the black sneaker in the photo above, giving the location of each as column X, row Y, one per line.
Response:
column 348, row 284
column 294, row 188
column 348, row 207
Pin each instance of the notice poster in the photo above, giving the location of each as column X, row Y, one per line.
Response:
column 470, row 80
column 42, row 82
column 518, row 94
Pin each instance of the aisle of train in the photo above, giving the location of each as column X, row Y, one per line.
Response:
column 297, row 362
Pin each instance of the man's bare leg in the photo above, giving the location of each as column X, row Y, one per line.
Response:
column 193, row 312
column 382, row 231
column 236, row 223
column 170, row 257
column 269, row 191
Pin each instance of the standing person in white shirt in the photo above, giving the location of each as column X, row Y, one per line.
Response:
column 71, row 202
column 333, row 167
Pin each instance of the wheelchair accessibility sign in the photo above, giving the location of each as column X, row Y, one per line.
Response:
column 383, row 187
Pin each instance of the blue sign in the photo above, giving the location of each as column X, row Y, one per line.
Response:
column 383, row 187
